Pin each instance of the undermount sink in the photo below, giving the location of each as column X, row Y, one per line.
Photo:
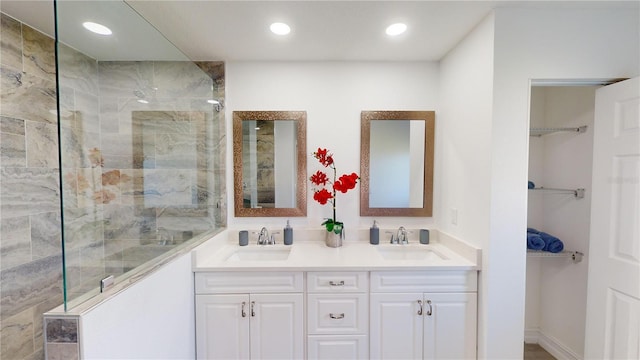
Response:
column 404, row 252
column 261, row 253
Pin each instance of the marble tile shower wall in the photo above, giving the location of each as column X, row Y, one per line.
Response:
column 138, row 179
column 30, row 256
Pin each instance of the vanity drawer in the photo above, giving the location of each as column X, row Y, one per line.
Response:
column 254, row 282
column 336, row 282
column 424, row 281
column 337, row 313
column 332, row 347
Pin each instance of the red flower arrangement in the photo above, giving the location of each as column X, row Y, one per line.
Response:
column 323, row 196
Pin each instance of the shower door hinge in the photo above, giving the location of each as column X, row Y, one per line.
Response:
column 106, row 283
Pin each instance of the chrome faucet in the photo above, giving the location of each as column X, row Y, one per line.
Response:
column 401, row 236
column 264, row 238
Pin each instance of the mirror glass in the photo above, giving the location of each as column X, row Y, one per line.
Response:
column 269, row 163
column 397, row 163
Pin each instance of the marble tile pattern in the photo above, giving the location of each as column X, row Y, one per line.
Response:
column 38, row 54
column 61, row 337
column 77, row 71
column 30, row 257
column 10, row 42
column 15, row 248
column 28, row 97
column 13, row 151
column 28, row 191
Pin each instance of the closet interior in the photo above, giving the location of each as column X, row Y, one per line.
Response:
column 559, row 202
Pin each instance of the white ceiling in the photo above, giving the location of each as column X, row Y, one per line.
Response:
column 321, row 30
column 235, row 30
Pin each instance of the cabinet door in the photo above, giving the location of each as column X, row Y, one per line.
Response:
column 450, row 325
column 222, row 332
column 277, row 326
column 396, row 326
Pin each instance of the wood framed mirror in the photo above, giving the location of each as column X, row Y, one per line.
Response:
column 269, row 163
column 396, row 163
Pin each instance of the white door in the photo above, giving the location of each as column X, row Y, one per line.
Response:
column 613, row 294
column 450, row 325
column 222, row 326
column 395, row 326
column 277, row 326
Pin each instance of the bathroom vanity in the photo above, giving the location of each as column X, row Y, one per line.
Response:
column 359, row 301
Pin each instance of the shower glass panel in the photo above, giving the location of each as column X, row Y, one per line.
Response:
column 141, row 146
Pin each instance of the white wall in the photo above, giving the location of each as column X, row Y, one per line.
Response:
column 535, row 44
column 152, row 319
column 333, row 94
column 464, row 134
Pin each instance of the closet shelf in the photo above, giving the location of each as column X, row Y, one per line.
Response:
column 578, row 193
column 537, row 132
column 576, row 256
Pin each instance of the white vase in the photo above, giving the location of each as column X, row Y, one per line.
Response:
column 334, row 240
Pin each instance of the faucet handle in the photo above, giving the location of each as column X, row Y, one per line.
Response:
column 273, row 237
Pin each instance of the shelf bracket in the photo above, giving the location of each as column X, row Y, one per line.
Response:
column 577, row 257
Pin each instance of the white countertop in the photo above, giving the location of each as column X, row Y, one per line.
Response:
column 308, row 253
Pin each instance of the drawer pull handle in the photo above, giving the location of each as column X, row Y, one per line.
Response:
column 333, row 283
column 244, row 313
column 253, row 312
column 336, row 316
column 430, row 311
column 420, row 310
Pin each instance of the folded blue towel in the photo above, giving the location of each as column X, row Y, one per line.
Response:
column 535, row 242
column 532, row 230
column 552, row 243
column 531, row 185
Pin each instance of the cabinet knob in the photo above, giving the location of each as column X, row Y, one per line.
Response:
column 339, row 283
column 430, row 311
column 336, row 316
column 244, row 313
column 420, row 309
column 253, row 312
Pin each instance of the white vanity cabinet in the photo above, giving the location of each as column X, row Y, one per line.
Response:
column 337, row 315
column 249, row 315
column 423, row 315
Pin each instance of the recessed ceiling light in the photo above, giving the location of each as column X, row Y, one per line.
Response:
column 396, row 29
column 280, row 28
column 97, row 28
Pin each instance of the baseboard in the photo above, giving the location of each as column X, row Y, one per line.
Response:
column 550, row 344
column 532, row 336
column 555, row 348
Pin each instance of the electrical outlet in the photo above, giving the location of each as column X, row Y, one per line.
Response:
column 454, row 216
